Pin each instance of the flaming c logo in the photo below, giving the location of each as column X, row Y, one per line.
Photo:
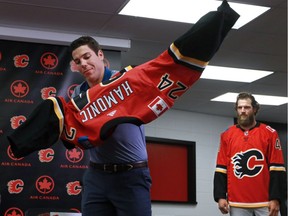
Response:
column 16, row 121
column 15, row 186
column 49, row 60
column 73, row 188
column 19, row 88
column 48, row 92
column 248, row 163
column 21, row 61
column 46, row 155
column 14, row 212
column 45, row 184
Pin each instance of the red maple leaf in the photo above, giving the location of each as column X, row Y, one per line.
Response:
column 14, row 213
column 19, row 88
column 159, row 107
column 74, row 154
column 49, row 60
column 45, row 184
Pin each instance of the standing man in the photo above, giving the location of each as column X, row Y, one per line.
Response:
column 118, row 180
column 250, row 173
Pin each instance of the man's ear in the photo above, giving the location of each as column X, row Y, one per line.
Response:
column 100, row 54
column 255, row 110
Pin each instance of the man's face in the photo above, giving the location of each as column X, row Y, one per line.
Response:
column 89, row 64
column 245, row 112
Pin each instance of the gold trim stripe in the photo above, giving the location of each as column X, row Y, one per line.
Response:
column 221, row 170
column 277, row 168
column 248, row 205
column 188, row 60
column 59, row 114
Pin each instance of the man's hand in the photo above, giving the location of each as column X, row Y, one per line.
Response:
column 223, row 206
column 273, row 207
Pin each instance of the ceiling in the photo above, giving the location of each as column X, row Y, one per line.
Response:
column 261, row 44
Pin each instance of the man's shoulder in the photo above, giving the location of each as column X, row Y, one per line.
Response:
column 230, row 131
column 267, row 128
column 230, row 128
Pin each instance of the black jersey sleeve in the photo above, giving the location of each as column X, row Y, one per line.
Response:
column 220, row 186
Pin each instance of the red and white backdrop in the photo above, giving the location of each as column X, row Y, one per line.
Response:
column 29, row 73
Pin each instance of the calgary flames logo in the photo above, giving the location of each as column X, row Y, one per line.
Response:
column 48, row 92
column 15, row 186
column 73, row 188
column 46, row 155
column 16, row 121
column 49, row 60
column 19, row 88
column 21, row 61
column 248, row 163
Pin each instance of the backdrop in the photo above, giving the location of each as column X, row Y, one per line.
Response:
column 29, row 73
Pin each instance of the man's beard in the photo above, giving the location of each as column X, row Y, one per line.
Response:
column 246, row 121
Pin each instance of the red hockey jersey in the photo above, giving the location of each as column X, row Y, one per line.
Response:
column 146, row 91
column 138, row 96
column 252, row 162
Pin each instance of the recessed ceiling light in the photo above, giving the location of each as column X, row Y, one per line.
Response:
column 261, row 99
column 233, row 74
column 188, row 11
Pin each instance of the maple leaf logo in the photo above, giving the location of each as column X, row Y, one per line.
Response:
column 19, row 88
column 11, row 155
column 45, row 184
column 159, row 107
column 14, row 212
column 74, row 155
column 49, row 60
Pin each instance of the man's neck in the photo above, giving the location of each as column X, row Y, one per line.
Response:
column 248, row 127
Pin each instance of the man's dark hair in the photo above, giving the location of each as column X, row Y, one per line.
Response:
column 246, row 95
column 85, row 40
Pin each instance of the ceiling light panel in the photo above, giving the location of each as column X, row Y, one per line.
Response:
column 188, row 11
